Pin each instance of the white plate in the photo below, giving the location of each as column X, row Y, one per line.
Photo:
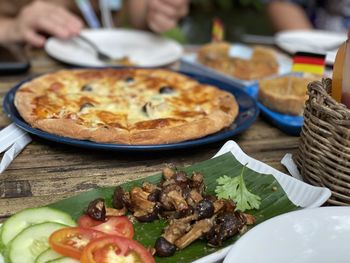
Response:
column 300, row 193
column 319, row 235
column 318, row 41
column 189, row 63
column 143, row 48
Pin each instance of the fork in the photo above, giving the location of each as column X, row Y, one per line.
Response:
column 99, row 54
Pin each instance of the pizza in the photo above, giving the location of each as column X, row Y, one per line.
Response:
column 125, row 106
column 262, row 63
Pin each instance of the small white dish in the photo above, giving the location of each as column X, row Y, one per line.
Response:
column 318, row 41
column 319, row 235
column 142, row 48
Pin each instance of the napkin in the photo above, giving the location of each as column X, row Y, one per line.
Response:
column 12, row 142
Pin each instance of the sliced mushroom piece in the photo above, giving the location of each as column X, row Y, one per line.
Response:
column 199, row 229
column 139, row 200
column 142, row 216
column 116, row 212
column 180, row 178
column 250, row 219
column 194, row 197
column 120, row 198
column 218, row 205
column 176, row 229
column 198, row 182
column 165, row 200
column 177, row 200
column 226, row 225
column 183, row 213
column 154, row 196
column 148, row 187
column 168, row 173
column 205, row 209
column 97, row 209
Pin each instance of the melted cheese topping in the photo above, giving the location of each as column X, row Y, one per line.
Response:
column 123, row 99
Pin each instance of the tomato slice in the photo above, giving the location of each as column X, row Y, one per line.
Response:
column 114, row 225
column 118, row 226
column 87, row 222
column 111, row 249
column 71, row 241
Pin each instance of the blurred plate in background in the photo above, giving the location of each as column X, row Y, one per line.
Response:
column 190, row 63
column 317, row 41
column 144, row 49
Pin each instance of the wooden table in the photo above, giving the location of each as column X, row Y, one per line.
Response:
column 46, row 172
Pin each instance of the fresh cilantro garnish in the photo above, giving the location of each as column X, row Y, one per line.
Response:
column 236, row 190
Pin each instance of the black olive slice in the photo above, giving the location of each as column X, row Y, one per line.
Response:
column 129, row 80
column 166, row 90
column 87, row 87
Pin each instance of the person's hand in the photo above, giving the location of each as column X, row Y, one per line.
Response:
column 163, row 15
column 44, row 18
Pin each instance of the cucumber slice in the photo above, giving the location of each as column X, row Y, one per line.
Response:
column 47, row 255
column 31, row 242
column 15, row 224
column 64, row 260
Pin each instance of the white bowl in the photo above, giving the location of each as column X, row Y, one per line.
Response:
column 320, row 235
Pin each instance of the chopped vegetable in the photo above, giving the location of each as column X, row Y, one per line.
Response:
column 71, row 241
column 111, row 249
column 235, row 189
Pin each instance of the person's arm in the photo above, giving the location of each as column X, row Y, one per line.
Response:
column 36, row 20
column 157, row 15
column 287, row 16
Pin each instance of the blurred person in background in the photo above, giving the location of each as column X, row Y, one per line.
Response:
column 332, row 15
column 32, row 21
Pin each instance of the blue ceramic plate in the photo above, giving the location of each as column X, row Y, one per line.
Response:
column 287, row 123
column 248, row 112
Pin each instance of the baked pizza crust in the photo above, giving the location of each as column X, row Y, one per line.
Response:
column 285, row 94
column 222, row 115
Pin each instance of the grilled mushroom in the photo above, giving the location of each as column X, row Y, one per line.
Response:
column 198, row 230
column 97, row 209
column 164, row 248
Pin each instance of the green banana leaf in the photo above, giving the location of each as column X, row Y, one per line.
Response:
column 274, row 202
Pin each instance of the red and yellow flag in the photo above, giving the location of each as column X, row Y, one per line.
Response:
column 306, row 62
column 217, row 34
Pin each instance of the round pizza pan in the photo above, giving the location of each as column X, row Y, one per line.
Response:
column 248, row 112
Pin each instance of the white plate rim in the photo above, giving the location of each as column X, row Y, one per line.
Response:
column 314, row 212
column 280, row 40
column 175, row 54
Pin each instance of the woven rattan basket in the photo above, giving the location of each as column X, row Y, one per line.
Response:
column 323, row 156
